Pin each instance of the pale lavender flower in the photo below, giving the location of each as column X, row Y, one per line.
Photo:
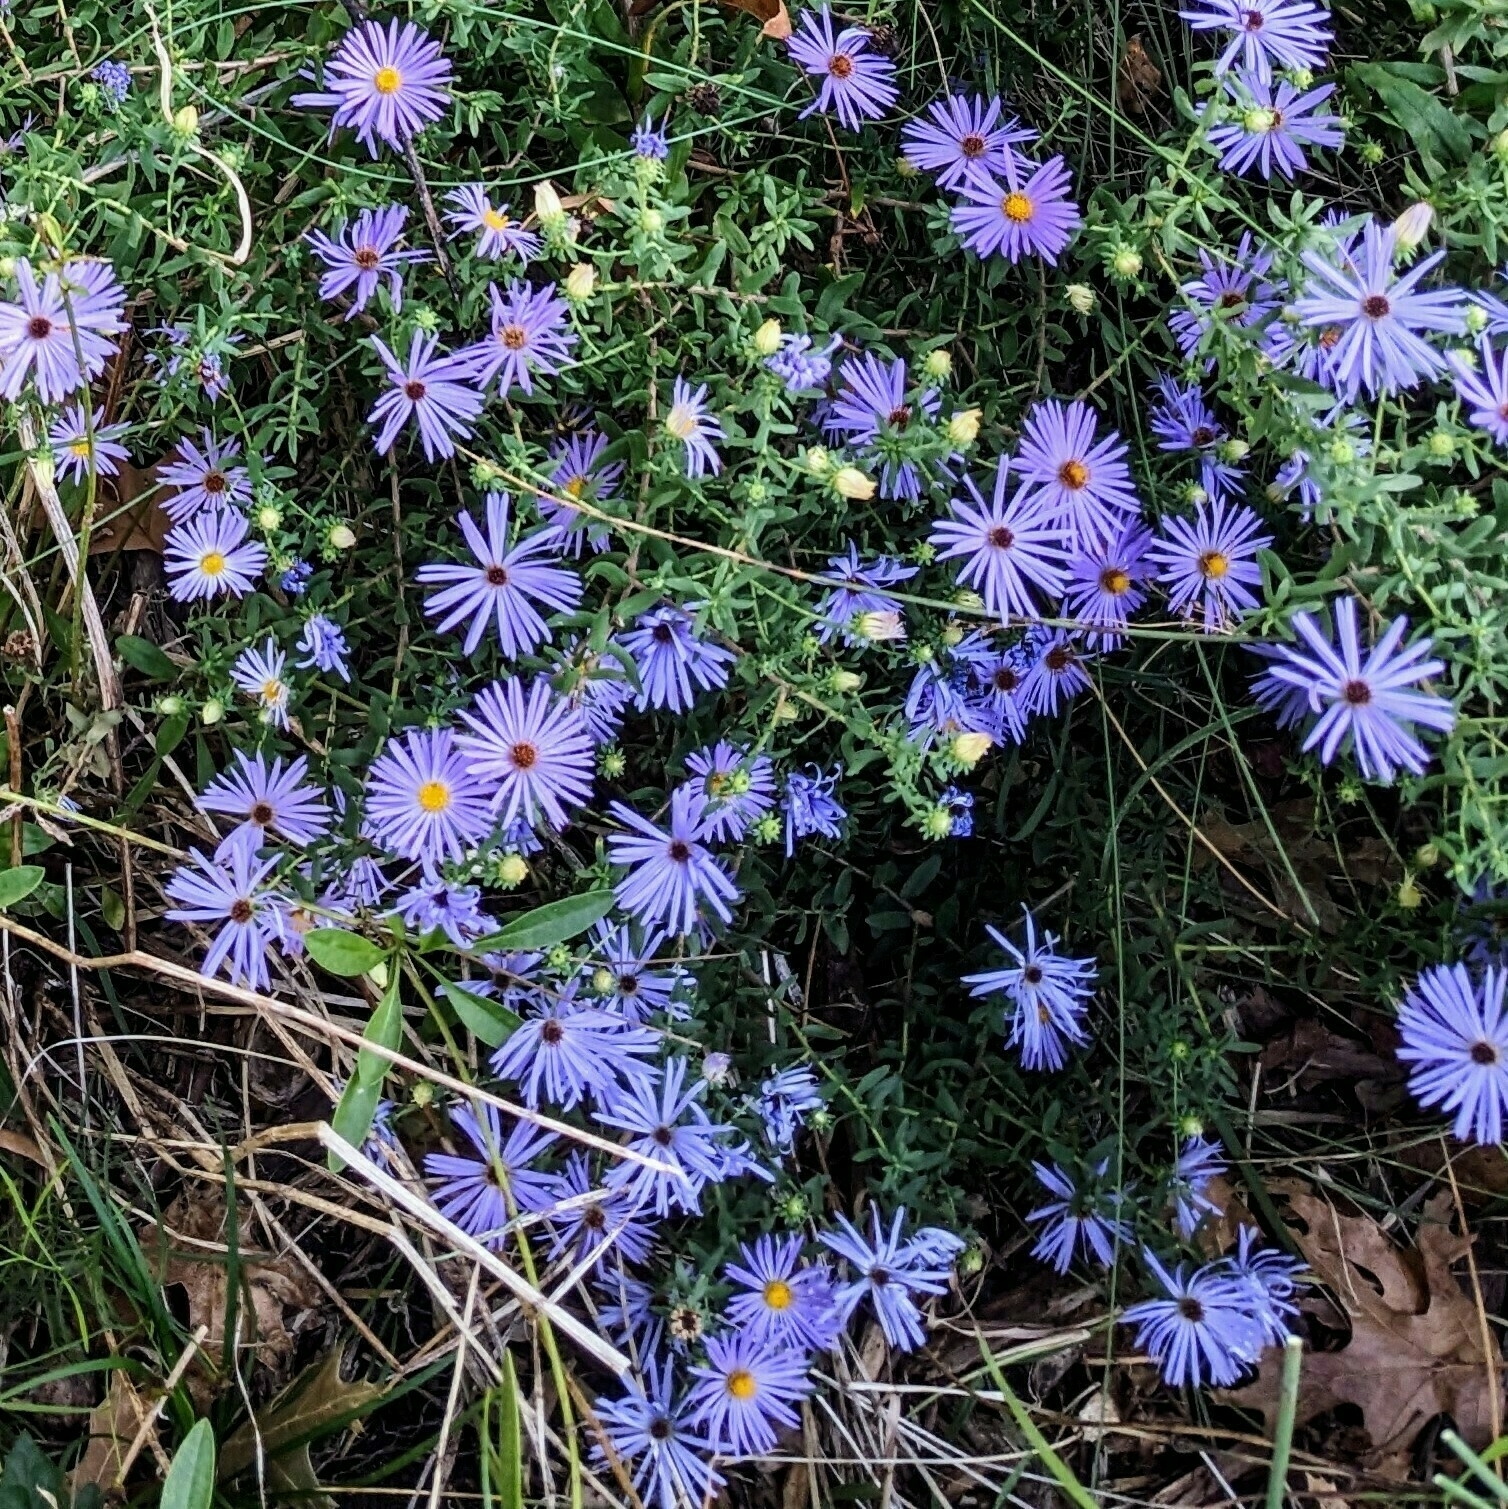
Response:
column 1272, row 126
column 783, row 1301
column 1056, row 670
column 211, row 555
column 1106, row 584
column 531, row 336
column 735, row 787
column 874, row 411
column 858, row 587
column 810, row 806
column 204, row 479
column 960, row 136
column 482, row 1193
column 75, row 451
column 1204, row 1332
column 258, row 672
column 323, row 646
column 889, row 1273
column 650, row 1430
column 1081, row 481
column 1484, row 389
column 671, row 872
column 498, row 234
column 1199, row 1163
column 580, row 472
column 1291, row 34
column 423, row 803
column 364, row 253
column 269, row 800
column 1024, row 216
column 564, row 1053
column 670, row 655
column 1209, row 564
column 1082, row 1215
column 1456, row 1038
column 744, row 1393
column 691, row 421
column 800, row 367
column 433, row 388
column 82, row 303
column 230, row 889
column 588, row 1221
column 857, row 83
column 434, row 904
column 1232, row 289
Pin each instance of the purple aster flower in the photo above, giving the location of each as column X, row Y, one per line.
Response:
column 1031, row 216
column 1378, row 314
column 936, row 701
column 259, row 673
column 1209, row 563
column 1204, row 1331
column 1291, row 34
column 743, row 1394
column 1287, row 704
column 889, row 1273
column 736, row 789
column 670, row 655
column 75, row 450
column 810, row 806
column 498, row 234
column 964, row 136
column 1199, row 1162
column 783, row 1303
column 323, row 646
column 567, row 1052
column 230, row 889
column 435, row 389
column 858, row 588
column 482, row 1193
column 1049, row 996
column 114, row 79
column 1484, row 390
column 204, row 479
column 1056, row 671
column 580, row 472
column 629, row 1317
column 83, row 303
column 959, row 805
column 804, row 370
column 623, row 976
column 1270, row 1279
column 531, row 334
column 873, row 411
column 1273, row 126
column 1106, row 584
column 210, row 555
column 503, row 585
column 692, row 423
column 1234, row 292
column 648, row 140
column 601, row 693
column 857, row 84
column 1082, row 1215
column 532, row 750
column 1456, row 1039
column 669, row 1128
column 1368, row 702
column 423, row 803
column 998, row 709
column 364, row 253
column 269, row 799
column 1183, row 421
column 434, row 905
column 384, row 84
column 785, row 1100
column 590, row 1222
column 296, row 578
column 650, row 1430
column 1083, row 483
column 671, row 873
column 1010, row 548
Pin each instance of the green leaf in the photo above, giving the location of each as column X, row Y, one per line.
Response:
column 358, row 1104
column 489, row 1022
column 343, row 953
column 510, row 1446
column 1073, row 1490
column 1437, row 131
column 113, row 908
column 147, row 657
column 554, row 922
column 19, row 883
column 190, row 1483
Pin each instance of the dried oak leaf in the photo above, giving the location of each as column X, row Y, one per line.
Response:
column 771, row 14
column 113, row 1425
column 130, row 515
column 1416, row 1339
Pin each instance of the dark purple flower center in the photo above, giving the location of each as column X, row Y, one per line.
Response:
column 840, row 65
column 1202, row 435
column 679, row 850
column 972, row 145
column 628, row 985
column 1483, row 1053
column 413, row 389
column 1005, row 680
column 662, row 1135
column 552, row 1032
column 1001, row 538
column 1032, row 974
column 524, row 755
column 1356, row 693
column 1058, row 658
column 595, row 1217
column 659, row 1428
column 1254, row 20
column 878, row 1277
column 366, row 258
column 214, row 482
column 262, row 814
column 1230, row 299
column 661, row 634
column 240, row 910
column 900, row 416
column 39, row 327
column 1376, row 307
column 1191, row 1310
column 497, row 576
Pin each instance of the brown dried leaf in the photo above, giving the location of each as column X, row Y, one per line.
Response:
column 775, row 23
column 22, row 1145
column 112, row 1428
column 1415, row 1350
column 1139, row 80
column 130, row 512
column 1317, row 1054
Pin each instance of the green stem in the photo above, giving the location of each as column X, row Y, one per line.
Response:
column 1282, row 1435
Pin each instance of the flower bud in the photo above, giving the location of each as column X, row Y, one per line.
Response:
column 968, row 599
column 881, row 624
column 952, row 635
column 850, row 482
column 269, row 517
column 786, row 712
column 1427, row 856
column 548, row 208
column 1190, row 1126
column 651, row 220
column 905, row 168
column 767, row 338
column 1412, row 226
column 938, row 363
column 767, row 829
column 937, row 822
column 717, row 1068
column 1409, row 897
column 1081, row 298
column 604, row 981
column 963, row 427
column 169, row 706
column 614, row 763
column 970, row 748
column 1441, row 445
column 581, row 282
column 1476, row 319
column 422, row 1094
column 841, row 683
column 512, row 870
column 341, row 537
column 1125, row 262
column 559, row 958
column 1372, row 152
column 818, row 462
column 212, row 711
column 186, row 121
column 1341, row 451
column 1234, row 450
column 1499, row 146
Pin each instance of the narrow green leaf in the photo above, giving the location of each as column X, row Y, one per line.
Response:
column 510, row 1449
column 489, row 1022
column 358, row 1103
column 19, row 883
column 554, row 922
column 147, row 657
column 1061, row 1471
column 190, row 1483
column 343, row 953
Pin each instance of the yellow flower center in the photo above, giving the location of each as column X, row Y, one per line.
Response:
column 434, row 796
column 387, row 80
column 212, row 564
column 272, row 691
column 1016, row 206
column 681, row 422
column 494, row 220
column 742, row 1384
column 575, row 487
column 1073, row 475
column 1214, row 564
column 717, row 784
column 777, row 1294
column 80, row 448
column 1114, row 581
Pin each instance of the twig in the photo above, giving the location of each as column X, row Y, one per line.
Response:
column 169, row 1384
column 13, row 740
